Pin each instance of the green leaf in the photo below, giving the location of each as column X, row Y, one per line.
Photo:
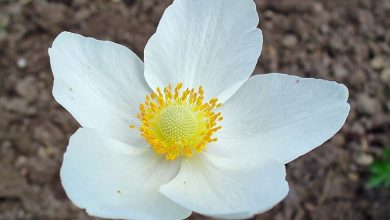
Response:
column 380, row 171
column 386, row 154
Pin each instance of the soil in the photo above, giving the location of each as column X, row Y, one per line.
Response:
column 347, row 41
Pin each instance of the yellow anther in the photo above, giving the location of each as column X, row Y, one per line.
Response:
column 187, row 152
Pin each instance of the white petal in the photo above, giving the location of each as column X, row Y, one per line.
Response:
column 243, row 215
column 213, row 43
column 214, row 187
column 281, row 117
column 100, row 83
column 113, row 180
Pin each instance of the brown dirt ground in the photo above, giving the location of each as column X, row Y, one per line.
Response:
column 347, row 41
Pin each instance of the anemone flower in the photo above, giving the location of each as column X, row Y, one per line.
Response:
column 188, row 129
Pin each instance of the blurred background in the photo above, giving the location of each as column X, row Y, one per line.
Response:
column 347, row 41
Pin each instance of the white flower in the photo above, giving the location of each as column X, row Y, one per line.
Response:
column 211, row 139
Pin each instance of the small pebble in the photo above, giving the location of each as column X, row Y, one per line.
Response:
column 353, row 177
column 385, row 76
column 21, row 63
column 290, row 41
column 378, row 62
column 368, row 105
column 20, row 161
column 358, row 128
column 364, row 159
column 27, row 88
column 340, row 72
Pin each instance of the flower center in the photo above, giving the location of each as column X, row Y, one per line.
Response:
column 177, row 123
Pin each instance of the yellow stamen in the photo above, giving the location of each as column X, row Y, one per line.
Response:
column 177, row 123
